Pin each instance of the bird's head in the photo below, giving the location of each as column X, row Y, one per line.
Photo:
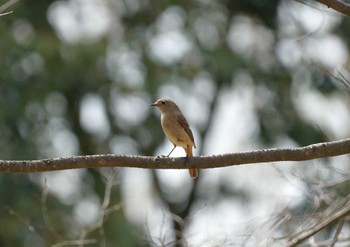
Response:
column 166, row 105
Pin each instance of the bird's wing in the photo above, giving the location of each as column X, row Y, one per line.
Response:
column 183, row 122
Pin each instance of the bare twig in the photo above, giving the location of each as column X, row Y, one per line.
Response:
column 6, row 13
column 337, row 5
column 75, row 242
column 343, row 79
column 45, row 214
column 337, row 232
column 105, row 209
column 6, row 6
column 336, row 74
column 314, row 151
column 21, row 218
column 337, row 214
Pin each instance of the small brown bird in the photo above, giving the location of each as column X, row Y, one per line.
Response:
column 176, row 128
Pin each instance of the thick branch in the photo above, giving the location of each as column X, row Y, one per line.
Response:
column 320, row 150
column 337, row 5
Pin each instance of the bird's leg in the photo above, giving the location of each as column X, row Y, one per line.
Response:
column 187, row 154
column 171, row 151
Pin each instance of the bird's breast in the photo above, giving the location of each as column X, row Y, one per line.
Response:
column 174, row 131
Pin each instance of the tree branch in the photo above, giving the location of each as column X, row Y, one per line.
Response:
column 336, row 215
column 314, row 151
column 5, row 6
column 337, row 5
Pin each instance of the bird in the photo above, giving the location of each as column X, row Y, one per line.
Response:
column 176, row 128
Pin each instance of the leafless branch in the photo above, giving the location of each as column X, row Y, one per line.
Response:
column 337, row 5
column 6, row 13
column 75, row 242
column 314, row 151
column 105, row 209
column 338, row 213
column 45, row 214
column 337, row 232
column 6, row 6
column 341, row 76
column 22, row 219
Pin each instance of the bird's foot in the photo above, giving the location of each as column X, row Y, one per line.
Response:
column 158, row 157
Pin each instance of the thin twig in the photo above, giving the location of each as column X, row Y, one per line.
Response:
column 337, row 232
column 337, row 5
column 339, row 76
column 6, row 6
column 105, row 209
column 334, row 216
column 21, row 218
column 75, row 242
column 6, row 13
column 45, row 213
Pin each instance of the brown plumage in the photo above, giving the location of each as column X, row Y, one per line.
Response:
column 176, row 128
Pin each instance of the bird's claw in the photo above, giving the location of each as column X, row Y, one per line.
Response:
column 161, row 156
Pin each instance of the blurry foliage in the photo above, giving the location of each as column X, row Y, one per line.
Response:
column 44, row 79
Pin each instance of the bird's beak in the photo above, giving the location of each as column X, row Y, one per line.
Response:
column 153, row 104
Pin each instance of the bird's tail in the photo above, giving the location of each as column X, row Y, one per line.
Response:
column 193, row 171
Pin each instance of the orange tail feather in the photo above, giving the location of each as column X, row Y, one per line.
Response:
column 193, row 171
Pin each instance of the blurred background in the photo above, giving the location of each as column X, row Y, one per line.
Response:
column 77, row 78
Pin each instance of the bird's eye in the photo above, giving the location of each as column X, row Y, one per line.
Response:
column 163, row 102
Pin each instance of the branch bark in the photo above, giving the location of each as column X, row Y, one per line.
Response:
column 337, row 5
column 314, row 151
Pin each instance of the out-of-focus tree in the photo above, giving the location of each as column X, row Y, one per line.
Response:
column 80, row 75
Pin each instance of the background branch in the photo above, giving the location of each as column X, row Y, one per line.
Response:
column 337, row 5
column 314, row 151
column 5, row 6
column 181, row 209
column 339, row 213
